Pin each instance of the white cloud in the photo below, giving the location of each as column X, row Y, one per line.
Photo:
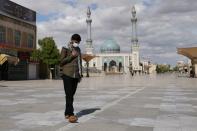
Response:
column 163, row 25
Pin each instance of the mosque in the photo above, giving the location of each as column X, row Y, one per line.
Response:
column 110, row 59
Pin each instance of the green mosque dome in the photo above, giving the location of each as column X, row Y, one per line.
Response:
column 110, row 46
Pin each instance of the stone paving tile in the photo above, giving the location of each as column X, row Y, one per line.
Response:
column 109, row 126
column 188, row 129
column 167, row 129
column 122, row 103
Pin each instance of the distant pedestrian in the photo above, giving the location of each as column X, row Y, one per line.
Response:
column 71, row 64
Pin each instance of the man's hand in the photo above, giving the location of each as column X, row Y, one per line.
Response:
column 75, row 53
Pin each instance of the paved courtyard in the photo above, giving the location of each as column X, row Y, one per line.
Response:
column 111, row 103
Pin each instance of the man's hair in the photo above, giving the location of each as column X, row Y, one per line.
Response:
column 76, row 37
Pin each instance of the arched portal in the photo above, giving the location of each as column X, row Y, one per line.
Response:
column 112, row 63
column 112, row 66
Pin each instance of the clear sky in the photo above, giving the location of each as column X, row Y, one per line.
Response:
column 163, row 25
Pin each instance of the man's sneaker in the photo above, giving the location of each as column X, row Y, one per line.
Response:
column 72, row 119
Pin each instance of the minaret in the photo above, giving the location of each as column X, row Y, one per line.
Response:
column 89, row 47
column 134, row 41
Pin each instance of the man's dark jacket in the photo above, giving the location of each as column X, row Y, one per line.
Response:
column 71, row 65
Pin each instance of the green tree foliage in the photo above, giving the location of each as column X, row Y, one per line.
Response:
column 48, row 52
column 163, row 68
column 176, row 68
column 36, row 55
column 48, row 55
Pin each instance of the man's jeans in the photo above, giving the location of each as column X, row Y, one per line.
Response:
column 70, row 86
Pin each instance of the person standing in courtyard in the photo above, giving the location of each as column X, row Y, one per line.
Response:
column 71, row 64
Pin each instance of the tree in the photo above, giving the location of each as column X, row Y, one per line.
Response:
column 176, row 68
column 48, row 52
column 162, row 68
column 35, row 55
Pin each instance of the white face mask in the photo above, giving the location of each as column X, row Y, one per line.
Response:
column 75, row 45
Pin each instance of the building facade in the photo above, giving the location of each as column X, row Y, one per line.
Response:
column 110, row 59
column 17, row 40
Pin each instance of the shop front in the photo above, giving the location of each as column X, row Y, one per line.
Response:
column 16, row 65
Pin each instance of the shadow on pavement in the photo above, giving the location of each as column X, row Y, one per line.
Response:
column 87, row 111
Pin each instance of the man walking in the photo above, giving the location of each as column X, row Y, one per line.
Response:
column 71, row 64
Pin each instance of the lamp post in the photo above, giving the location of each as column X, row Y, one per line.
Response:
column 87, row 58
column 87, row 70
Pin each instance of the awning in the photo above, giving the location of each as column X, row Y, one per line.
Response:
column 10, row 59
column 188, row 52
column 88, row 57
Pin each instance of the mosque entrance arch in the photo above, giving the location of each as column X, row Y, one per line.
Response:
column 112, row 63
column 112, row 66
